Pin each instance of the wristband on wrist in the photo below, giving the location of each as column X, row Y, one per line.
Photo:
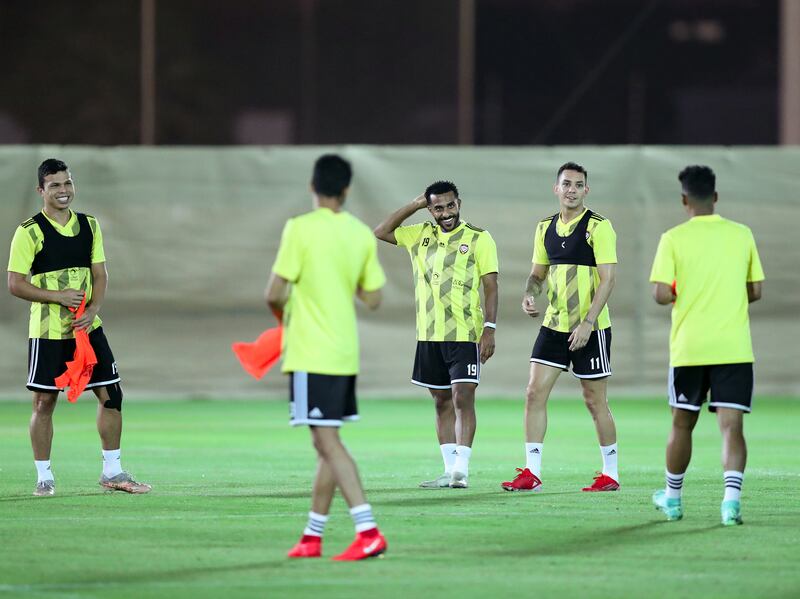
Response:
column 491, row 325
column 591, row 322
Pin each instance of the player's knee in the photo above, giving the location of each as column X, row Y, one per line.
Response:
column 535, row 394
column 462, row 403
column 326, row 440
column 684, row 420
column 464, row 399
column 594, row 401
column 114, row 401
column 731, row 428
column 44, row 403
column 444, row 405
column 592, row 406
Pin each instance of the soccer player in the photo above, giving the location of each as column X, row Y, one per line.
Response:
column 451, row 260
column 574, row 251
column 709, row 267
column 328, row 257
column 63, row 252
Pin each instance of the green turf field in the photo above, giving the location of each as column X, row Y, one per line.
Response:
column 230, row 495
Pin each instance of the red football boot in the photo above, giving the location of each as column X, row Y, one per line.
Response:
column 307, row 546
column 524, row 481
column 602, row 482
column 369, row 543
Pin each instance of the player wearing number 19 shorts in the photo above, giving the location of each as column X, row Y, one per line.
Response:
column 451, row 260
column 575, row 254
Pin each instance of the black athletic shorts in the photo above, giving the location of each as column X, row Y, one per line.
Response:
column 592, row 361
column 731, row 386
column 321, row 399
column 47, row 360
column 440, row 364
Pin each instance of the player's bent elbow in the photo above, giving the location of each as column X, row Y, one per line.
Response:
column 381, row 233
column 14, row 287
column 372, row 299
column 753, row 292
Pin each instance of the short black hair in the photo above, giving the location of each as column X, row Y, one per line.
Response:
column 51, row 166
column 439, row 188
column 573, row 166
column 332, row 175
column 698, row 182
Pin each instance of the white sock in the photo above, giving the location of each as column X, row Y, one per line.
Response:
column 609, row 453
column 448, row 456
column 316, row 524
column 674, row 485
column 43, row 470
column 363, row 518
column 112, row 465
column 533, row 458
column 733, row 485
column 462, row 459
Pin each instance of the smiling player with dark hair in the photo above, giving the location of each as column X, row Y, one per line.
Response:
column 62, row 251
column 452, row 260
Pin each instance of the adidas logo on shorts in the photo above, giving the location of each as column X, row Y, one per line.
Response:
column 315, row 413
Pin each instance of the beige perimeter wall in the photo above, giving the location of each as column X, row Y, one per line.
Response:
column 191, row 234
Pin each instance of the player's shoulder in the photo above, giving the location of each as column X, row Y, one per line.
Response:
column 598, row 222
column 482, row 236
column 358, row 226
column 27, row 224
column 737, row 226
column 424, row 225
column 305, row 222
column 30, row 228
column 478, row 230
column 548, row 219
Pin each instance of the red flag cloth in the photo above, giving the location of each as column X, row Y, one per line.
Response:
column 261, row 355
column 79, row 370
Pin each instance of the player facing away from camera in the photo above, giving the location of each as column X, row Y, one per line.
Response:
column 63, row 253
column 709, row 267
column 574, row 251
column 326, row 258
column 451, row 260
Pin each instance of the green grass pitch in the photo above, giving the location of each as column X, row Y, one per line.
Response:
column 231, row 491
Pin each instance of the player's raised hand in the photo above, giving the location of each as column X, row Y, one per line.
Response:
column 529, row 306
column 70, row 298
column 421, row 201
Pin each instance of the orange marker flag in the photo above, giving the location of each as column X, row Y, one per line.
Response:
column 261, row 355
column 79, row 369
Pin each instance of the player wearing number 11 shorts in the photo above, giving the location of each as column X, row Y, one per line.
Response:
column 575, row 253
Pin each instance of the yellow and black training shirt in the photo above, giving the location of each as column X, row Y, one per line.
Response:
column 62, row 263
column 448, row 267
column 576, row 248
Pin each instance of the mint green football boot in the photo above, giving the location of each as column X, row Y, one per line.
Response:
column 731, row 513
column 672, row 508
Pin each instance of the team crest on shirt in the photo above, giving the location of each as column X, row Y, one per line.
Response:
column 463, row 248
